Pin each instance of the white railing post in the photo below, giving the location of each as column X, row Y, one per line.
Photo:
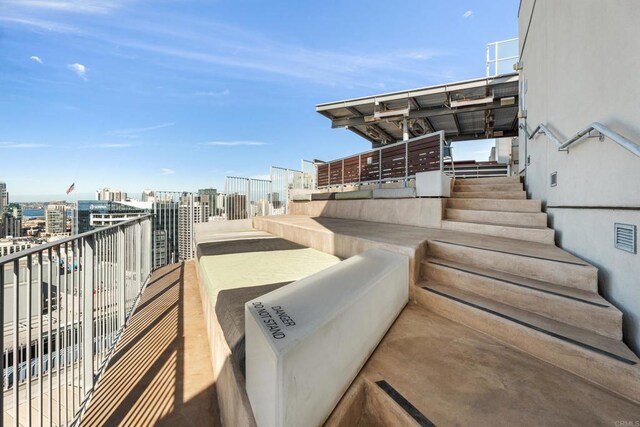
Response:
column 138, row 255
column 87, row 322
column 122, row 271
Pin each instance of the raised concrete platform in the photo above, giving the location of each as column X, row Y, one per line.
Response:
column 347, row 237
column 307, row 341
column 235, row 267
column 404, row 211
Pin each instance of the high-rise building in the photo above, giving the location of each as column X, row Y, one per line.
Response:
column 148, row 196
column 11, row 221
column 4, row 196
column 193, row 209
column 92, row 214
column 236, row 206
column 111, row 195
column 56, row 219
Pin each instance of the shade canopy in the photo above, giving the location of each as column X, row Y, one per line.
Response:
column 473, row 109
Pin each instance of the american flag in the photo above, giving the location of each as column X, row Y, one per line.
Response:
column 71, row 188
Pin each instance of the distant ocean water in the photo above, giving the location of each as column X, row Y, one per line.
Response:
column 31, row 213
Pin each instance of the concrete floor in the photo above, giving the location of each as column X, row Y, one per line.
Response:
column 161, row 371
column 412, row 237
column 455, row 375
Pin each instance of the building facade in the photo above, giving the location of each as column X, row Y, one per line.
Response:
column 92, row 214
column 4, row 195
column 111, row 195
column 55, row 219
column 575, row 71
column 11, row 220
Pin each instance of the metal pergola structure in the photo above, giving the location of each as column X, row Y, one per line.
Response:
column 473, row 109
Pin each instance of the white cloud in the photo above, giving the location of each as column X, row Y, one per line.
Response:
column 21, row 145
column 468, row 14
column 36, row 59
column 110, row 145
column 132, row 133
column 167, row 171
column 79, row 69
column 40, row 24
column 79, row 6
column 234, row 143
column 214, row 94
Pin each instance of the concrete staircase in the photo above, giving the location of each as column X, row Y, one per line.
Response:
column 521, row 289
column 496, row 207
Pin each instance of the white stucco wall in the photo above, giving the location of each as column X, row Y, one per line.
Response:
column 580, row 62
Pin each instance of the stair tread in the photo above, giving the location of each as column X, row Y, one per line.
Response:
column 493, row 205
column 533, row 227
column 488, row 191
column 539, row 285
column 495, row 211
column 590, row 340
column 511, row 246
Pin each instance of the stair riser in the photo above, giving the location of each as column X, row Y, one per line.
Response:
column 597, row 319
column 545, row 235
column 601, row 369
column 486, row 181
column 532, row 206
column 488, row 187
column 499, row 218
column 576, row 276
column 504, row 195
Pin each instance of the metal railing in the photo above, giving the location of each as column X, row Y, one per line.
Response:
column 501, row 57
column 249, row 197
column 476, row 169
column 595, row 129
column 397, row 162
column 64, row 306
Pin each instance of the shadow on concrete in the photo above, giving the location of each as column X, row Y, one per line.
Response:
column 246, row 246
column 161, row 372
column 230, row 315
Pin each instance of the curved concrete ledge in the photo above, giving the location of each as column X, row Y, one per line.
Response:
column 307, row 341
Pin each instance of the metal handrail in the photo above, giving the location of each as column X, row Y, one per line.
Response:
column 69, row 239
column 65, row 306
column 595, row 126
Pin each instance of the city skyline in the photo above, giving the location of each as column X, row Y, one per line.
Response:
column 113, row 94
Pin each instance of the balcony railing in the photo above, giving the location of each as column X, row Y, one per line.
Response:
column 391, row 163
column 64, row 306
column 501, row 57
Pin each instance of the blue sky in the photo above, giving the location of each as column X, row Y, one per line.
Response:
column 176, row 94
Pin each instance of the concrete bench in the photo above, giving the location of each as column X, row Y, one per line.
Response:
column 357, row 194
column 306, row 342
column 394, row 193
column 323, row 196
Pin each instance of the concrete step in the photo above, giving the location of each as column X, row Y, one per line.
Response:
column 531, row 206
column 518, row 195
column 521, row 232
column 487, row 187
column 491, row 180
column 572, row 306
column 529, row 219
column 602, row 360
column 530, row 259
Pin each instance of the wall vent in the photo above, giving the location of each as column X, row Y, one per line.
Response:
column 554, row 179
column 625, row 237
